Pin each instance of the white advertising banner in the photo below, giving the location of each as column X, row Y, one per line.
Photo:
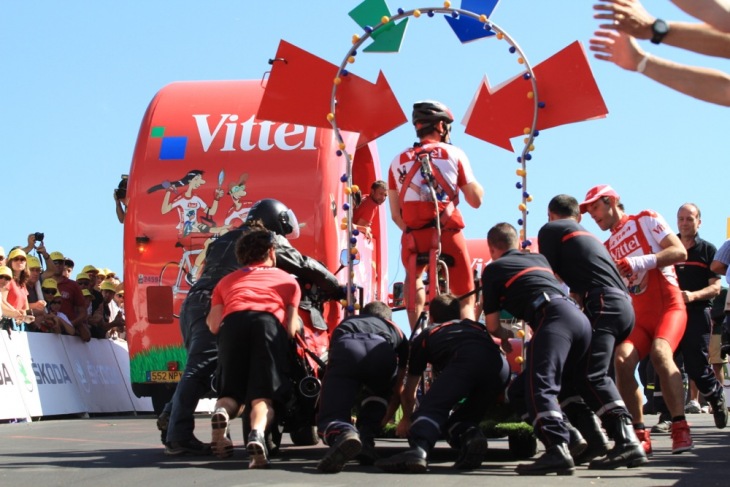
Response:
column 11, row 398
column 119, row 348
column 98, row 376
column 48, row 384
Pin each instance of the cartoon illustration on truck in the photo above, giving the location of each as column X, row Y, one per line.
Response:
column 188, row 205
column 238, row 211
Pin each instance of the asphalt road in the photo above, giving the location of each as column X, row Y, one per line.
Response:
column 126, row 451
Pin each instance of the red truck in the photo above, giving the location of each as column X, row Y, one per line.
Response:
column 201, row 159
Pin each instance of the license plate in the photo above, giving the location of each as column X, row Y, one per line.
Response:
column 164, row 375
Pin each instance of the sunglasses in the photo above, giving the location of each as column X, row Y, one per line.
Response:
column 59, row 262
column 5, row 278
column 83, row 282
column 120, row 295
column 48, row 291
column 56, row 302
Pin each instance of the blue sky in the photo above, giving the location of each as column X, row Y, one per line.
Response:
column 78, row 76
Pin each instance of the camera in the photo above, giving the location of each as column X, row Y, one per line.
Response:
column 39, row 236
column 121, row 190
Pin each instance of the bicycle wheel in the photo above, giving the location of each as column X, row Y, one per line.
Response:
column 169, row 276
column 177, row 277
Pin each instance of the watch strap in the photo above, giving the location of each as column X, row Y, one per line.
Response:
column 659, row 29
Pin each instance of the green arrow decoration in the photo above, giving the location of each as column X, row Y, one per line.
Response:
column 387, row 38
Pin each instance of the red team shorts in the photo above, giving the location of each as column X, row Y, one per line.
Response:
column 660, row 313
column 453, row 244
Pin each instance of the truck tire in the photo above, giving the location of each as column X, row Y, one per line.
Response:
column 304, row 436
column 160, row 397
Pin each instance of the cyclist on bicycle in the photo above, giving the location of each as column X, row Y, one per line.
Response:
column 176, row 421
column 433, row 167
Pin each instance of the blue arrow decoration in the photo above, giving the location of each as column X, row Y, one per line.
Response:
column 468, row 29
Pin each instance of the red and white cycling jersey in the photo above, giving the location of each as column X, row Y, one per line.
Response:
column 449, row 159
column 455, row 171
column 640, row 234
column 236, row 217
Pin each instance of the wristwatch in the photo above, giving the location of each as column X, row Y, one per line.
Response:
column 659, row 29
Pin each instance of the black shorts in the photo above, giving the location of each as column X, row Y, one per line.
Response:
column 253, row 361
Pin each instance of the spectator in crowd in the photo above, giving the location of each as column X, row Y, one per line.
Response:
column 108, row 315
column 68, row 268
column 721, row 262
column 15, row 296
column 89, row 300
column 5, row 277
column 49, row 287
column 100, row 276
column 699, row 287
column 93, row 286
column 364, row 214
column 253, row 310
column 119, row 298
column 55, row 321
column 119, row 329
column 628, row 21
column 33, row 286
column 719, row 266
column 2, row 256
column 84, row 282
column 74, row 304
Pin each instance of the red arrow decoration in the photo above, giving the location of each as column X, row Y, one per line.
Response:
column 565, row 84
column 299, row 89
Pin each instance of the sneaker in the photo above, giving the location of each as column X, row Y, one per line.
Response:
column 693, row 407
column 346, row 447
column 220, row 443
column 681, row 439
column 187, row 447
column 645, row 439
column 256, row 448
column 719, row 410
column 705, row 409
column 664, row 425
